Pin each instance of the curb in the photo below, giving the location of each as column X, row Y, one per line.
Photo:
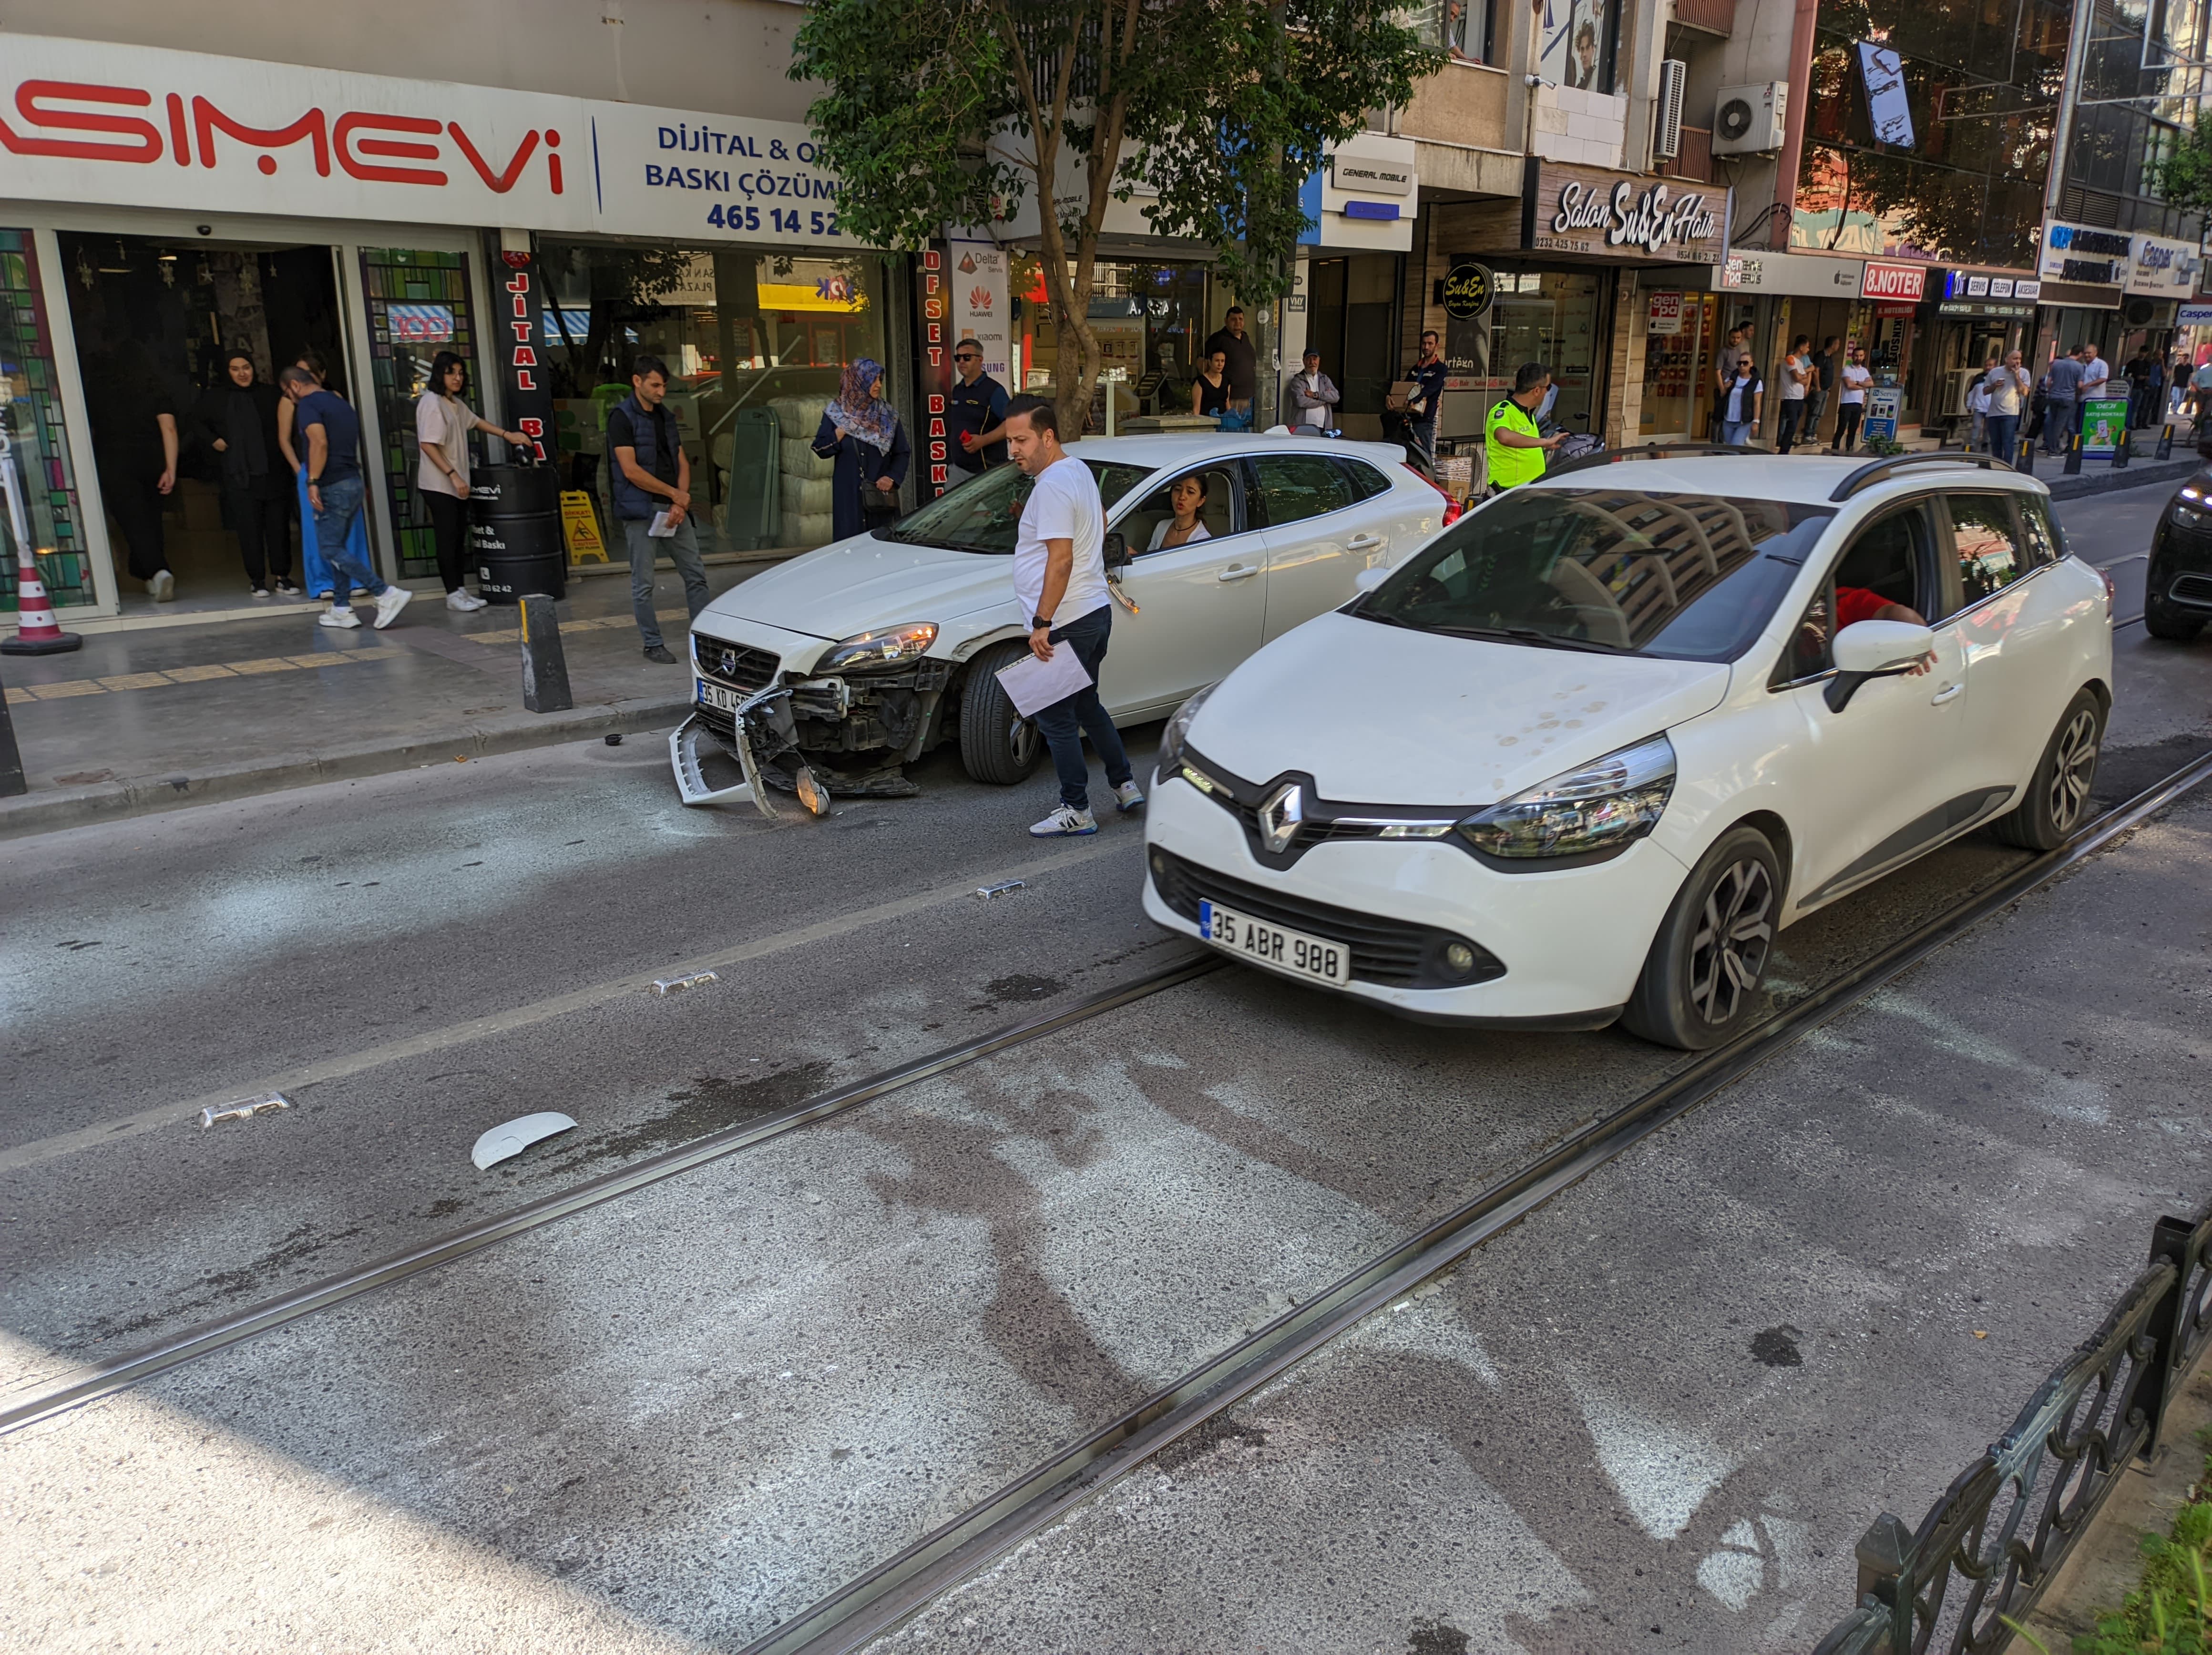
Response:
column 2136, row 476
column 44, row 811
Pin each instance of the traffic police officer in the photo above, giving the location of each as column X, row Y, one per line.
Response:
column 1513, row 448
column 975, row 409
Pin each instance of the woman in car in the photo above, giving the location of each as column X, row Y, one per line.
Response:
column 1186, row 499
column 861, row 432
column 1209, row 394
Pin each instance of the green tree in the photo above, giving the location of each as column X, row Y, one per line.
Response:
column 955, row 112
column 2185, row 178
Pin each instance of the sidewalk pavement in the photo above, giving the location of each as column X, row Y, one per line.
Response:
column 157, row 719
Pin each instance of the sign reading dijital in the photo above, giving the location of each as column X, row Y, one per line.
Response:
column 1586, row 209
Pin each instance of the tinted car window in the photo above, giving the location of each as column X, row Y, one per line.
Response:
column 2040, row 539
column 1295, row 487
column 981, row 515
column 1985, row 538
column 1692, row 577
column 1366, row 480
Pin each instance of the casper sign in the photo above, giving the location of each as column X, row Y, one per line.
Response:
column 1591, row 211
column 85, row 122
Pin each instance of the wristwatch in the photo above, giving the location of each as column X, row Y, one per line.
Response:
column 1037, row 620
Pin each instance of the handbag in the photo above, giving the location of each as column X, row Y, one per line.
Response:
column 877, row 502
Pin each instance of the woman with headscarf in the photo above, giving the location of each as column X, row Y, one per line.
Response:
column 237, row 419
column 862, row 434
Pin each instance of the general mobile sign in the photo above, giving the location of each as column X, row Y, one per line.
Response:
column 1620, row 215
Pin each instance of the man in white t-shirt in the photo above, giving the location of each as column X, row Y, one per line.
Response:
column 1851, row 409
column 2095, row 371
column 1060, row 580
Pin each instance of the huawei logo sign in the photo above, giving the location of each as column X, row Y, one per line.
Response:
column 979, row 299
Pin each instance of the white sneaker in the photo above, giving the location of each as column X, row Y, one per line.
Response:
column 1128, row 796
column 395, row 599
column 464, row 600
column 163, row 586
column 335, row 616
column 1067, row 821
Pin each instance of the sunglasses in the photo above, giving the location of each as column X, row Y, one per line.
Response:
column 966, row 356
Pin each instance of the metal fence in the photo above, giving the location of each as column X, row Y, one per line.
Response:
column 1986, row 1551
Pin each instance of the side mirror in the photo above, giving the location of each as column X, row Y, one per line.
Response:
column 1370, row 577
column 1874, row 649
column 1117, row 550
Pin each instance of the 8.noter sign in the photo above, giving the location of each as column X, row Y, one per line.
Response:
column 1587, row 209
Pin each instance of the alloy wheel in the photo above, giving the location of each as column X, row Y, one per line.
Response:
column 1022, row 741
column 2073, row 767
column 1734, row 930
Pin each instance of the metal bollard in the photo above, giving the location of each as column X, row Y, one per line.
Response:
column 544, row 667
column 2024, row 461
column 2123, row 450
column 11, row 757
column 2165, row 443
column 2073, row 466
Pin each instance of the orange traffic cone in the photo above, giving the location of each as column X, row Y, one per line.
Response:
column 36, row 631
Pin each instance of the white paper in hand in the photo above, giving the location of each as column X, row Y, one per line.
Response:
column 1031, row 684
column 659, row 528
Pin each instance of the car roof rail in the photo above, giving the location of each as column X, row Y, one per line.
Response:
column 1649, row 451
column 1882, row 470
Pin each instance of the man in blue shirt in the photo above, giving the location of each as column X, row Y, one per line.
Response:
column 333, row 432
column 1428, row 374
column 976, row 412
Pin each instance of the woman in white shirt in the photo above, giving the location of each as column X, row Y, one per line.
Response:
column 1186, row 499
column 1852, row 407
column 442, row 424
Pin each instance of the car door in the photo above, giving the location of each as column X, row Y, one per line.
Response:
column 1199, row 607
column 2011, row 623
column 1319, row 534
column 1871, row 784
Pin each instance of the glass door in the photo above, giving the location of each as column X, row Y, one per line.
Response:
column 30, row 405
column 416, row 302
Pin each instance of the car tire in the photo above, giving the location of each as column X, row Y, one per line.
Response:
column 1702, row 976
column 997, row 744
column 2165, row 619
column 2057, row 799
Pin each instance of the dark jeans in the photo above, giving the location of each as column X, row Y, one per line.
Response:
column 1059, row 723
column 1848, row 416
column 2059, row 424
column 260, row 514
column 2005, row 437
column 449, row 523
column 1785, row 430
column 136, row 503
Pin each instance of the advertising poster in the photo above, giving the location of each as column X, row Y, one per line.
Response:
column 977, row 285
column 1569, row 49
column 2104, row 425
column 1882, row 406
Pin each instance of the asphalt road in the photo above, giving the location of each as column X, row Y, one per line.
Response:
column 678, row 1418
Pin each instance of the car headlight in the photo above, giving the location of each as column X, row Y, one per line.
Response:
column 888, row 646
column 1178, row 731
column 1598, row 806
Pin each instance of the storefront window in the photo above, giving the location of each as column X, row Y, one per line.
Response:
column 1548, row 317
column 1678, row 361
column 1150, row 318
column 754, row 344
column 31, row 404
column 418, row 306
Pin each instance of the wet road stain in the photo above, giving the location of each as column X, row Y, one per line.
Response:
column 298, row 1245
column 1220, row 1431
column 1777, row 1347
column 1436, row 1638
column 999, row 990
column 709, row 1104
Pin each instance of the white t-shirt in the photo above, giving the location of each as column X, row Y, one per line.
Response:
column 1977, row 399
column 1198, row 532
column 1792, row 391
column 2094, row 374
column 1856, row 379
column 448, row 425
column 2003, row 386
column 1063, row 506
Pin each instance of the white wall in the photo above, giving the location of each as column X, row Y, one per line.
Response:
column 720, row 57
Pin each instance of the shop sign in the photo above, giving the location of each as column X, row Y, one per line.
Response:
column 1813, row 275
column 2083, row 253
column 2163, row 267
column 1882, row 280
column 1607, row 214
column 91, row 121
column 1883, row 404
column 1974, row 307
column 2193, row 316
column 1467, row 290
column 2104, row 424
column 977, row 284
column 1666, row 314
column 1364, row 176
column 933, row 369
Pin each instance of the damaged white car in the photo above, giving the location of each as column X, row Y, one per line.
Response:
column 828, row 674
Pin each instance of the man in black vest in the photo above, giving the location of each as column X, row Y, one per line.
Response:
column 976, row 412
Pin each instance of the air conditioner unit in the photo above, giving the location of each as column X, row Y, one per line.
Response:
column 1667, row 115
column 1747, row 120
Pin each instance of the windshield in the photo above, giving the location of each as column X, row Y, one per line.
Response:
column 982, row 513
column 1692, row 577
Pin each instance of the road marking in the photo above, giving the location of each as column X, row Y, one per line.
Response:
column 2131, row 557
column 538, row 1011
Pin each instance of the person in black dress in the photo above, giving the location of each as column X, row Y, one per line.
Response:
column 862, row 434
column 237, row 419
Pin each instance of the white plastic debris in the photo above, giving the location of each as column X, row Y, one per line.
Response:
column 516, row 1136
column 677, row 985
column 243, row 1109
column 1002, row 888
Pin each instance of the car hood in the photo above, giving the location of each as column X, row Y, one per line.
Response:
column 1378, row 714
column 859, row 584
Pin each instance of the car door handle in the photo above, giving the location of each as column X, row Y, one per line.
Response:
column 1236, row 571
column 1949, row 692
column 1361, row 543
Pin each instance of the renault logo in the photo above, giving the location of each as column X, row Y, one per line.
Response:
column 1282, row 815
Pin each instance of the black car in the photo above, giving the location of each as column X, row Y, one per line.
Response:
column 2178, row 601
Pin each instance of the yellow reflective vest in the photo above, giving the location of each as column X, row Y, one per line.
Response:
column 1509, row 466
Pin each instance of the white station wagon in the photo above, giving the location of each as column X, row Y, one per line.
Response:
column 1584, row 754
column 857, row 658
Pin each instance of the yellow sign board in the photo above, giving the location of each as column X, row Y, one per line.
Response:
column 580, row 527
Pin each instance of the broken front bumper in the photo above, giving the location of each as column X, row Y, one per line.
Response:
column 758, row 717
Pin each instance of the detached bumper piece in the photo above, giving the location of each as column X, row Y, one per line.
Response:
column 763, row 726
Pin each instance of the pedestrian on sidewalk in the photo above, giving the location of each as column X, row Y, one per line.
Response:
column 1977, row 409
column 134, row 445
column 1825, row 362
column 1515, row 450
column 1796, row 376
column 1740, row 400
column 2096, row 372
column 1724, row 375
column 314, row 574
column 1314, row 395
column 237, row 419
column 650, row 476
column 1243, row 361
column 976, row 412
column 863, row 435
column 442, row 423
column 1857, row 377
column 2061, row 396
column 1428, row 373
column 335, row 494
column 2008, row 390
column 1059, row 581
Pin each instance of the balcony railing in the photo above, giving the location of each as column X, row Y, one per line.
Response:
column 1696, row 161
column 1714, row 16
